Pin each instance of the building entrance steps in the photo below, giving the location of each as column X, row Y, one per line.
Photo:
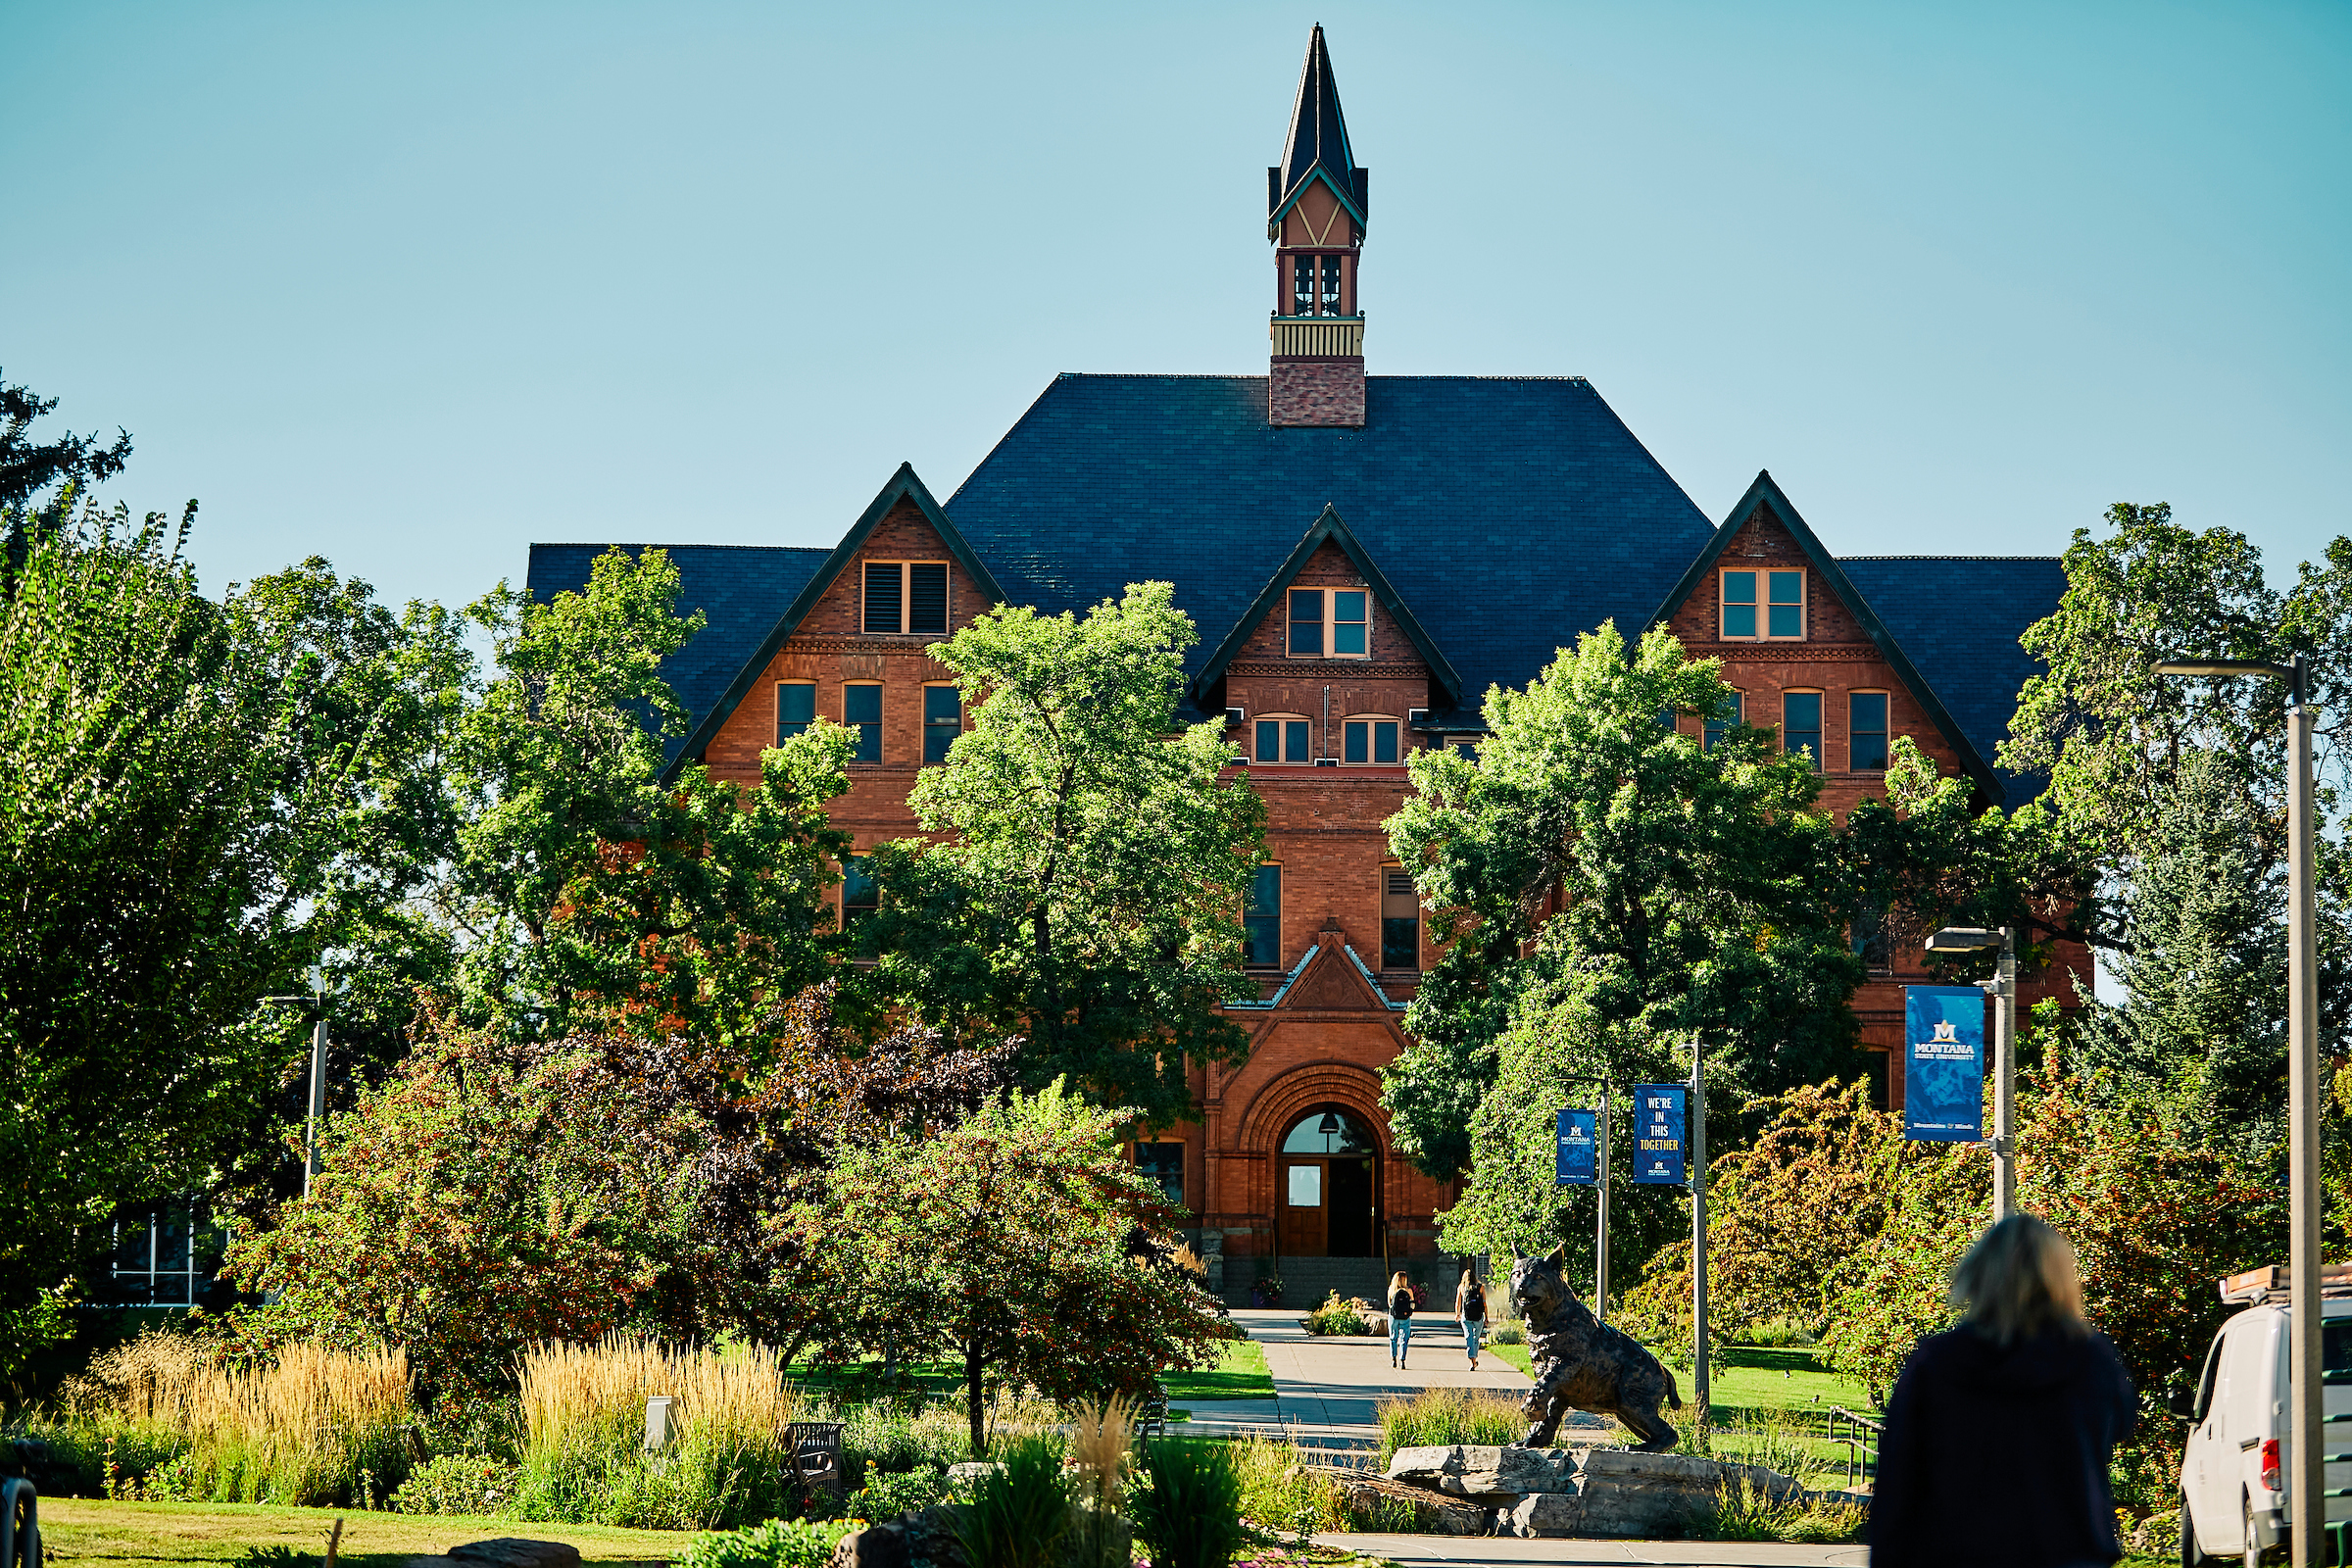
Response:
column 1308, row 1281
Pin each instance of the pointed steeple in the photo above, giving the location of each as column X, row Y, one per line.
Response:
column 1318, row 140
column 1315, row 221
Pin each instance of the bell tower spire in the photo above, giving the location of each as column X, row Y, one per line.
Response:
column 1315, row 202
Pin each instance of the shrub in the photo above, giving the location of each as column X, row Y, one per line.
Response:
column 884, row 1439
column 886, row 1497
column 1335, row 1316
column 1437, row 1416
column 1020, row 1511
column 164, row 1416
column 458, row 1482
column 778, row 1544
column 1508, row 1331
column 1190, row 1514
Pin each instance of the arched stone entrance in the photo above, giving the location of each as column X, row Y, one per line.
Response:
column 1326, row 1186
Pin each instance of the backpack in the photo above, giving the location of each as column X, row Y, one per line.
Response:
column 1474, row 1304
column 1400, row 1304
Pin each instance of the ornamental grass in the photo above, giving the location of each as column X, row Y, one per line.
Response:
column 167, row 1418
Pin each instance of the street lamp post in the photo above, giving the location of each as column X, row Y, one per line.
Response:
column 2307, row 1501
column 316, row 1121
column 1972, row 938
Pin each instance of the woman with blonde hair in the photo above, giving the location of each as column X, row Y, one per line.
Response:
column 1998, row 1435
column 1400, row 1317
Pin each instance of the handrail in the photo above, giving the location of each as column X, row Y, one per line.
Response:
column 1860, row 1434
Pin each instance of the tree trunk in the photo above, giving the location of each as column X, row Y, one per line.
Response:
column 972, row 1395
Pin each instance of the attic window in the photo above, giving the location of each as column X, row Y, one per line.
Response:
column 1781, row 612
column 1330, row 624
column 905, row 598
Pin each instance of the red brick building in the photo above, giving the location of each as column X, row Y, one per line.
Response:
column 1364, row 557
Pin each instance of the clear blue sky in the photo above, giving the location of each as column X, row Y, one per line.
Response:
column 413, row 285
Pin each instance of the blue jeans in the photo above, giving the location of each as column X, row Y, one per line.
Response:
column 1400, row 1335
column 1471, row 1328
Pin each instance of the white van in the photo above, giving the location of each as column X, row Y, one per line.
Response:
column 2233, row 1469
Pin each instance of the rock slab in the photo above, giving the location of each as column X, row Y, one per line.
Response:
column 1582, row 1492
column 514, row 1551
column 925, row 1539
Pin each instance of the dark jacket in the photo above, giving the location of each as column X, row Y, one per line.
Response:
column 1995, row 1455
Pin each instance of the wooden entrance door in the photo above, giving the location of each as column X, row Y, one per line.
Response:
column 1303, row 1206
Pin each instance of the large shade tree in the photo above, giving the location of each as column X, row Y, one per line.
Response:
column 1677, row 888
column 1085, row 890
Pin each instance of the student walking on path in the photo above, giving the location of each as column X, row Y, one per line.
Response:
column 1998, row 1433
column 1470, row 1310
column 1400, row 1317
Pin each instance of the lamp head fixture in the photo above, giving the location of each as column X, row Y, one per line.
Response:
column 1963, row 939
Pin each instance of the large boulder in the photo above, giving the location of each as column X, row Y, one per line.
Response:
column 925, row 1539
column 514, row 1551
column 1582, row 1492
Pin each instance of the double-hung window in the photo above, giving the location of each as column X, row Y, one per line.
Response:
column 943, row 721
column 796, row 709
column 1262, row 918
column 906, row 597
column 1801, row 725
column 1330, row 624
column 1400, row 920
column 1781, row 609
column 862, row 710
column 1283, row 740
column 1368, row 740
column 1866, row 733
column 1731, row 719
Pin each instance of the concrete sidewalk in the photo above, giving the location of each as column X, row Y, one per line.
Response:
column 1459, row 1551
column 1327, row 1390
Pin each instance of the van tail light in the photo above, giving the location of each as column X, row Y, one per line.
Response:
column 2270, row 1463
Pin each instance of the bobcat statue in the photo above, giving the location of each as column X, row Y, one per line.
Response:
column 1583, row 1365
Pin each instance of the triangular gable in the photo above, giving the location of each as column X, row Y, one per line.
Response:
column 1330, row 976
column 1765, row 492
column 1330, row 182
column 1330, row 526
column 904, row 485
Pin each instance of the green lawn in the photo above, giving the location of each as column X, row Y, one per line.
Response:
column 128, row 1534
column 1239, row 1374
column 1753, row 1379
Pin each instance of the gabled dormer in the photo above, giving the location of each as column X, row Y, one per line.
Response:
column 1807, row 654
column 851, row 646
column 1329, row 667
column 1315, row 206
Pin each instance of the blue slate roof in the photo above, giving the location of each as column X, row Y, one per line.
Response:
column 741, row 588
column 1510, row 513
column 1959, row 619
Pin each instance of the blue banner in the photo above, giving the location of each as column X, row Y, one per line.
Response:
column 1660, row 1117
column 1579, row 1137
column 1944, row 1064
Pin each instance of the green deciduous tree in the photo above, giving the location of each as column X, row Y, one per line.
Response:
column 587, row 889
column 1020, row 1245
column 1086, row 893
column 1688, row 891
column 196, row 794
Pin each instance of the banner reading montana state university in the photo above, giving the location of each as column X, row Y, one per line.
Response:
column 1944, row 1064
column 1659, row 1121
column 1577, row 1136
